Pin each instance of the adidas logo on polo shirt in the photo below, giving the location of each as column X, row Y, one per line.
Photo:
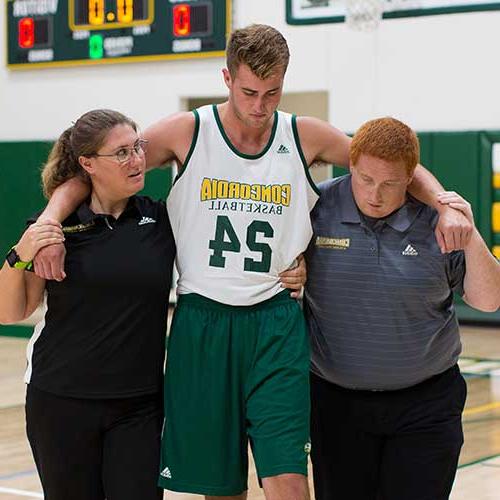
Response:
column 283, row 149
column 166, row 473
column 409, row 250
column 146, row 220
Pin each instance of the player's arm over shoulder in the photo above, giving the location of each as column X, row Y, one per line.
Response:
column 322, row 142
column 169, row 139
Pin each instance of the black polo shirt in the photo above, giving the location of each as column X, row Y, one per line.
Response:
column 103, row 335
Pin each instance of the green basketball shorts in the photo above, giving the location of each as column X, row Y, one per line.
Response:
column 234, row 375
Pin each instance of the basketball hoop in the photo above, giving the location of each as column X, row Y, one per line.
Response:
column 363, row 15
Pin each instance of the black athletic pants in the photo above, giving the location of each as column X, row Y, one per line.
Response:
column 95, row 449
column 390, row 445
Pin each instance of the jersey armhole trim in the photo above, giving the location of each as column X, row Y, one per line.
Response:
column 193, row 144
column 302, row 157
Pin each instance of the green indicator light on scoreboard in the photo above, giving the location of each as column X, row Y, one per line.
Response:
column 96, row 47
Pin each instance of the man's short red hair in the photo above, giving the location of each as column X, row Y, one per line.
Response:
column 387, row 139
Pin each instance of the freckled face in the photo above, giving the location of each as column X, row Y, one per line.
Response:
column 379, row 187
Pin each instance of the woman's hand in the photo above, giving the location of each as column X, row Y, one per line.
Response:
column 454, row 200
column 37, row 236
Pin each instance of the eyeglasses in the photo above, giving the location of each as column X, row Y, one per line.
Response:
column 123, row 155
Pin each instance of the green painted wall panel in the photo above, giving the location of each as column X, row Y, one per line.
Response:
column 426, row 150
column 158, row 183
column 455, row 161
column 20, row 193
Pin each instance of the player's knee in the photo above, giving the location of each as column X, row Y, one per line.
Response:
column 286, row 487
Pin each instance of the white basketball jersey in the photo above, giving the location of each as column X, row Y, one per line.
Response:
column 239, row 220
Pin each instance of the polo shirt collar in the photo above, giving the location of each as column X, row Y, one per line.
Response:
column 86, row 215
column 400, row 220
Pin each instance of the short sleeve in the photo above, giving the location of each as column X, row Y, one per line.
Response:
column 165, row 226
column 160, row 209
column 455, row 270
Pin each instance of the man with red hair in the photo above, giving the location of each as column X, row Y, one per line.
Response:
column 386, row 391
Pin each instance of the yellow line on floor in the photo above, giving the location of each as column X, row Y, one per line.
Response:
column 481, row 409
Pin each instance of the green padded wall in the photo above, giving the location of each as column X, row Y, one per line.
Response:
column 21, row 196
column 457, row 161
column 462, row 163
column 20, row 193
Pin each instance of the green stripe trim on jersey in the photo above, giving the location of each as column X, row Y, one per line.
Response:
column 301, row 154
column 236, row 151
column 193, row 144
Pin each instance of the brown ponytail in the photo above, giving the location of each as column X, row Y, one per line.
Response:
column 61, row 165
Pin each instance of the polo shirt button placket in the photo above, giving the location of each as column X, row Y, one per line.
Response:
column 374, row 249
column 106, row 220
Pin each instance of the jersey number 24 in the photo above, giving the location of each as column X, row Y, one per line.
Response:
column 219, row 245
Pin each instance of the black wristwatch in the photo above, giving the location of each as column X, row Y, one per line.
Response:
column 15, row 261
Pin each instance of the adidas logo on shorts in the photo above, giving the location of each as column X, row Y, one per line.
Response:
column 283, row 149
column 166, row 473
column 409, row 250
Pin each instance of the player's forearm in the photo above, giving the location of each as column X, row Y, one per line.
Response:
column 482, row 277
column 65, row 199
column 425, row 187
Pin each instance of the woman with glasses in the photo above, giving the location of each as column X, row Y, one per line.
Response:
column 95, row 362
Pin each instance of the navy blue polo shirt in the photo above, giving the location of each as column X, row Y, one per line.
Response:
column 379, row 295
column 103, row 335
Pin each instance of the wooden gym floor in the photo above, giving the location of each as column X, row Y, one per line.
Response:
column 478, row 477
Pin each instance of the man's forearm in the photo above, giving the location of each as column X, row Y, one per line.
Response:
column 65, row 199
column 453, row 229
column 425, row 187
column 482, row 277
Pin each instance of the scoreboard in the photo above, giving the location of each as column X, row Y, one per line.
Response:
column 44, row 33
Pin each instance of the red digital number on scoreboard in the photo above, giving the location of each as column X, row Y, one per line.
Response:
column 182, row 20
column 26, row 32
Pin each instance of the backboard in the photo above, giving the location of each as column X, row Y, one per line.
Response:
column 333, row 11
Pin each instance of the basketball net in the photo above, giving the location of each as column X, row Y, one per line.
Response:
column 363, row 15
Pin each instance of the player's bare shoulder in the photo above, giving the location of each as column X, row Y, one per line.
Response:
column 170, row 138
column 321, row 141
